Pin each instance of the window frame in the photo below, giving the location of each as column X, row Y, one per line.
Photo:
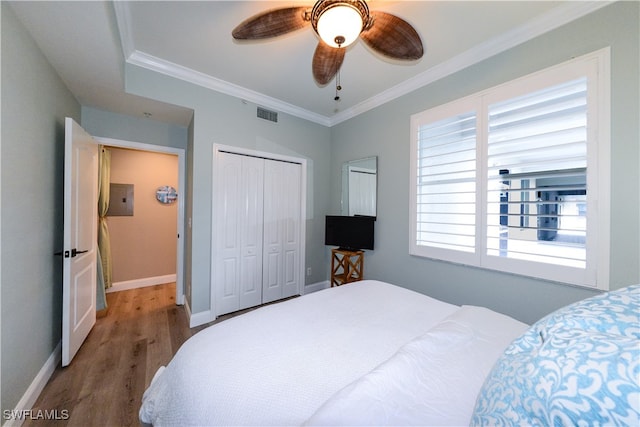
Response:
column 596, row 67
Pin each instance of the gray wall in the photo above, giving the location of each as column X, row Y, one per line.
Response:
column 34, row 105
column 106, row 124
column 385, row 132
column 223, row 119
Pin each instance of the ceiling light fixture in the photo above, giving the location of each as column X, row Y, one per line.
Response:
column 339, row 23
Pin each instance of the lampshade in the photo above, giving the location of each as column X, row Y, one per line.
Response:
column 340, row 25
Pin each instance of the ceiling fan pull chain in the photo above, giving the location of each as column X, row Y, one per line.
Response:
column 338, row 87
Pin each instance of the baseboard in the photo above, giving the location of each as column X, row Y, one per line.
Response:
column 35, row 388
column 314, row 287
column 201, row 318
column 197, row 319
column 141, row 283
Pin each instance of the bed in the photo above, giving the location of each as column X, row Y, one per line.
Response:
column 368, row 353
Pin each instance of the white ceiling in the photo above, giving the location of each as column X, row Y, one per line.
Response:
column 89, row 42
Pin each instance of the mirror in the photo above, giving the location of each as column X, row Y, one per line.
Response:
column 359, row 187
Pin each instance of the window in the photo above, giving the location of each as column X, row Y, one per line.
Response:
column 509, row 179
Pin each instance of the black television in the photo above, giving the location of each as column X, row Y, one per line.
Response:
column 349, row 232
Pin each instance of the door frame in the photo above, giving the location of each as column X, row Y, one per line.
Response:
column 303, row 209
column 180, row 152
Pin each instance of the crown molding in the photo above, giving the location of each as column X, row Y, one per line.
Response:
column 561, row 15
column 123, row 21
column 189, row 75
column 553, row 19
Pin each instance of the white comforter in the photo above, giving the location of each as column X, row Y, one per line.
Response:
column 279, row 364
column 431, row 381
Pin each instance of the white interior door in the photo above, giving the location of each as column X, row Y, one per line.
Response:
column 80, row 238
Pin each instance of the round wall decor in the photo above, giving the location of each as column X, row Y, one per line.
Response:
column 166, row 194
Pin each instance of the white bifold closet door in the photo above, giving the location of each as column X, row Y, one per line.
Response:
column 256, row 231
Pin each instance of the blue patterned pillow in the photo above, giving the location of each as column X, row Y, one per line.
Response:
column 578, row 365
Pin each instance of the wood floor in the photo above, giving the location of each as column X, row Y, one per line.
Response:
column 103, row 386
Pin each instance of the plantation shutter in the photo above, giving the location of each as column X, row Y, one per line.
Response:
column 537, row 164
column 446, row 188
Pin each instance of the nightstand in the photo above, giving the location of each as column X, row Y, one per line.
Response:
column 346, row 266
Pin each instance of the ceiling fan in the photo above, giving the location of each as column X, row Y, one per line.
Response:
column 339, row 23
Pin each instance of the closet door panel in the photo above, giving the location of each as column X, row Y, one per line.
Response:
column 238, row 227
column 251, row 212
column 230, row 282
column 226, row 232
column 291, row 227
column 273, row 233
column 281, row 277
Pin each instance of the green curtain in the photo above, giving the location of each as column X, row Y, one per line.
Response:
column 101, row 295
column 104, row 244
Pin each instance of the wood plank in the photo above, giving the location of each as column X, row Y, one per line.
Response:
column 103, row 386
column 104, row 383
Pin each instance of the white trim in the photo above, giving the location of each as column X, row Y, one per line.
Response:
column 557, row 17
column 112, row 142
column 603, row 177
column 256, row 153
column 141, row 283
column 197, row 319
column 189, row 75
column 315, row 287
column 182, row 185
column 123, row 21
column 596, row 67
column 32, row 393
column 553, row 19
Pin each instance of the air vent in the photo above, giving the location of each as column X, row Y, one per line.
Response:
column 263, row 113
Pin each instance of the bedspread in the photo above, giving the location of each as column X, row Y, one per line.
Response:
column 276, row 365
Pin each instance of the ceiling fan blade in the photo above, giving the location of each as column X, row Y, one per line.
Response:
column 271, row 23
column 327, row 61
column 393, row 37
